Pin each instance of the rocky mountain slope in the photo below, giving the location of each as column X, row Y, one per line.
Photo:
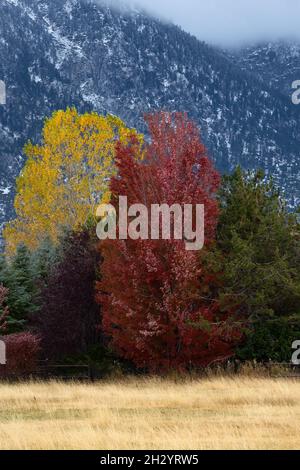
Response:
column 277, row 64
column 59, row 53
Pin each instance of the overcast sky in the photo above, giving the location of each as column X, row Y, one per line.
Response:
column 227, row 22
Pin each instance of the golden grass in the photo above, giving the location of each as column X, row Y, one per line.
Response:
column 216, row 413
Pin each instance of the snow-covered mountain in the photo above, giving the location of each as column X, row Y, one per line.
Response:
column 59, row 53
column 276, row 63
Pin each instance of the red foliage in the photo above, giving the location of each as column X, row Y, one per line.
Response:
column 22, row 351
column 156, row 301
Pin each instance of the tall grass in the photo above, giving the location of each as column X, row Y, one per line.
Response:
column 213, row 413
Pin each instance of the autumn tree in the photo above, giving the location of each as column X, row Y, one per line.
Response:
column 65, row 177
column 68, row 319
column 158, row 307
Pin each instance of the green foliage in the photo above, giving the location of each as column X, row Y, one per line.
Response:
column 43, row 259
column 271, row 340
column 24, row 275
column 258, row 255
column 18, row 277
column 101, row 360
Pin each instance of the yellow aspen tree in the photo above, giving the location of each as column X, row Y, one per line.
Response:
column 65, row 177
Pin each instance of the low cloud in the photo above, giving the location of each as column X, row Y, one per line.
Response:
column 230, row 22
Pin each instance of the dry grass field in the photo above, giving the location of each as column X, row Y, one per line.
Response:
column 216, row 413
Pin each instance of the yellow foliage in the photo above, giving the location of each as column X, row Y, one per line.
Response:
column 65, row 177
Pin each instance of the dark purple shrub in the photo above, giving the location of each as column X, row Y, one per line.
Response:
column 22, row 350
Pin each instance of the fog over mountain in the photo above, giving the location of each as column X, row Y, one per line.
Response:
column 230, row 22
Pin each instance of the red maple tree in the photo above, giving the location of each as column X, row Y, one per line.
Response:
column 156, row 297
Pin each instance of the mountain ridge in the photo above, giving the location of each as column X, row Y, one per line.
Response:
column 55, row 54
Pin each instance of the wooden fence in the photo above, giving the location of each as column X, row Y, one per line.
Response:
column 89, row 373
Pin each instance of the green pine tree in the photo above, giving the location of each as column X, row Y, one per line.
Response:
column 258, row 253
column 44, row 259
column 18, row 276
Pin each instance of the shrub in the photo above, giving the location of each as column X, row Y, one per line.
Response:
column 22, row 351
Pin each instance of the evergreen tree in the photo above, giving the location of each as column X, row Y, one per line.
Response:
column 18, row 277
column 258, row 253
column 4, row 310
column 44, row 260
